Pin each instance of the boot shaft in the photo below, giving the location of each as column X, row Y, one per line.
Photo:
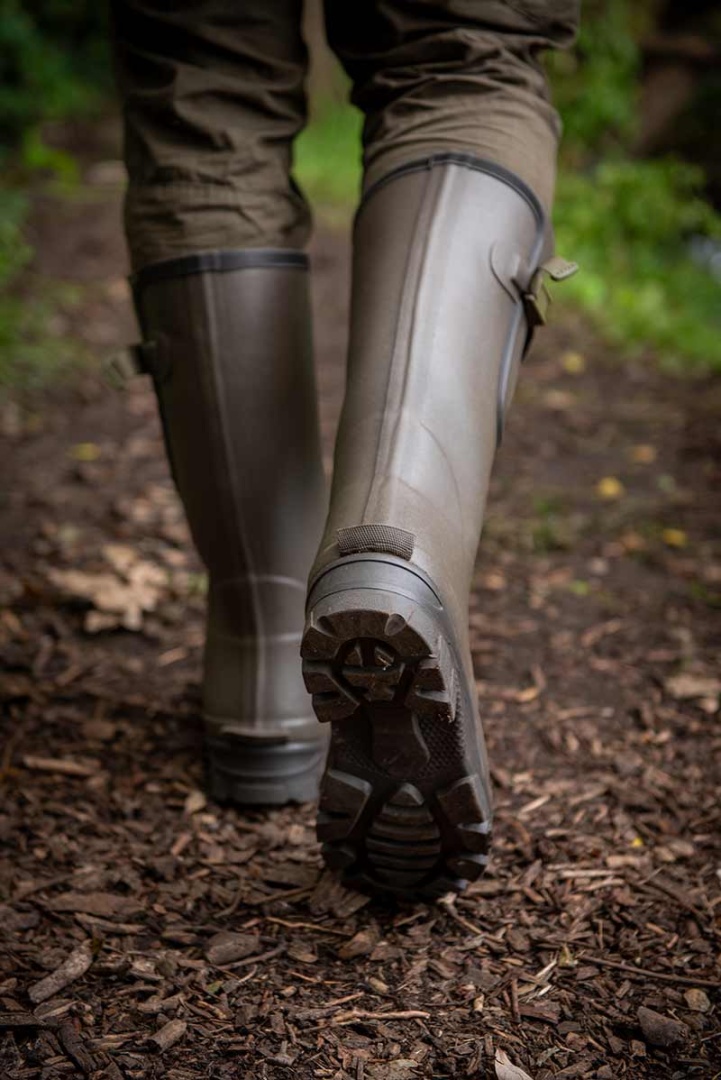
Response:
column 444, row 255
column 233, row 371
column 228, row 337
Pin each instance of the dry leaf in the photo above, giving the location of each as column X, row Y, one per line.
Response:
column 97, row 621
column 85, row 451
column 686, row 686
column 120, row 556
column 195, row 801
column 559, row 400
column 566, row 958
column 676, row 538
column 610, row 488
column 574, row 363
column 506, row 1070
column 109, row 594
column 633, row 541
column 643, row 454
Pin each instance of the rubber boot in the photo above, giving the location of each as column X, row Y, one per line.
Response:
column 227, row 341
column 446, row 285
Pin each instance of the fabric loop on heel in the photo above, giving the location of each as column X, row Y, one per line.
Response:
column 382, row 538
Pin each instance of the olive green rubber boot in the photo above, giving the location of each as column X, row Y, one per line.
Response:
column 446, row 286
column 227, row 341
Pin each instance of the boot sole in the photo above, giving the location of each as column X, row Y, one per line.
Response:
column 404, row 803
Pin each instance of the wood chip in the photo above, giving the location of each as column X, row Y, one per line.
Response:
column 105, row 905
column 660, row 1030
column 361, row 944
column 18, row 1018
column 506, row 1070
column 61, row 766
column 697, row 1000
column 225, row 947
column 169, row 1034
column 73, row 1045
column 74, row 967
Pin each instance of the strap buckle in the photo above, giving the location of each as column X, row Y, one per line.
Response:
column 537, row 299
column 129, row 362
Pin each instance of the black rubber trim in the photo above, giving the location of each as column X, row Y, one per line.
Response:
column 491, row 168
column 219, row 262
column 361, row 562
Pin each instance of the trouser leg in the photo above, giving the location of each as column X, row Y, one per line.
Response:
column 213, row 95
column 447, row 244
column 454, row 75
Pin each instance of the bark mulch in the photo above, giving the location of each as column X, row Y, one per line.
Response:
column 146, row 932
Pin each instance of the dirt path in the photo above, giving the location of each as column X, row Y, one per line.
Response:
column 596, row 635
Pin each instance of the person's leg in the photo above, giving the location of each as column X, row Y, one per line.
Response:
column 213, row 96
column 454, row 76
column 447, row 244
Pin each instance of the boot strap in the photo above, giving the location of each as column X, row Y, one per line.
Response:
column 129, row 362
column 537, row 298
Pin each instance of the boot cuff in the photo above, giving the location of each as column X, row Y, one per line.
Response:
column 218, row 262
column 470, row 161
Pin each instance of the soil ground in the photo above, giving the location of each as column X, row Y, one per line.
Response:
column 596, row 636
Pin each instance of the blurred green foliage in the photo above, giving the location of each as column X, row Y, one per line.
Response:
column 14, row 252
column 627, row 221
column 53, row 63
column 28, row 356
column 595, row 84
column 327, row 154
column 14, row 256
column 628, row 224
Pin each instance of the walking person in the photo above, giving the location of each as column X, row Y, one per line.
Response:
column 451, row 250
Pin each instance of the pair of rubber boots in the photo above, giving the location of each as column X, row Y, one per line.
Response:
column 447, row 283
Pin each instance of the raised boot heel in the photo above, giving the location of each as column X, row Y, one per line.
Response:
column 404, row 803
column 251, row 771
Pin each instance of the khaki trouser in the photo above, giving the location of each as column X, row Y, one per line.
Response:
column 214, row 94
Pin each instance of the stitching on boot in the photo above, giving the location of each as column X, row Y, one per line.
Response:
column 384, row 538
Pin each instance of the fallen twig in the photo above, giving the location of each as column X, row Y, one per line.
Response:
column 252, row 959
column 355, row 1015
column 306, row 926
column 648, row 973
column 74, row 967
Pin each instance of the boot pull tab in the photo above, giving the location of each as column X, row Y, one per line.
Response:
column 377, row 538
column 127, row 363
column 537, row 298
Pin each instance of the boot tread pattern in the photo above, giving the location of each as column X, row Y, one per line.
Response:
column 395, row 813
